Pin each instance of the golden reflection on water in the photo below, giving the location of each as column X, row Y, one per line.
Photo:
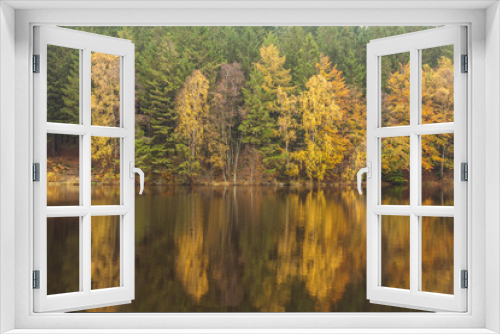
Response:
column 105, row 254
column 396, row 251
column 251, row 249
column 437, row 254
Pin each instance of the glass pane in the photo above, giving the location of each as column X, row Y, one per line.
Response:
column 63, row 255
column 105, row 171
column 437, row 254
column 63, row 170
column 437, row 85
column 395, row 89
column 437, row 169
column 63, row 85
column 105, row 252
column 395, row 170
column 396, row 251
column 105, row 89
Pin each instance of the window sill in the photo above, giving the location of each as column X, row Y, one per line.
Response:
column 251, row 331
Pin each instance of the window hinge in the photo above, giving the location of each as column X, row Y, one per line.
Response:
column 36, row 172
column 36, row 279
column 464, row 173
column 465, row 279
column 36, row 63
column 465, row 64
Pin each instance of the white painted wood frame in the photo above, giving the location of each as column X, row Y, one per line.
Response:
column 413, row 43
column 482, row 315
column 86, row 43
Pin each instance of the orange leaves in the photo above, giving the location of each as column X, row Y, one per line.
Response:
column 396, row 98
column 438, row 92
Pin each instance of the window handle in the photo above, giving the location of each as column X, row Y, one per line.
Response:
column 368, row 171
column 134, row 170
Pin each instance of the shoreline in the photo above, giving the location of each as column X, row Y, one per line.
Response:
column 255, row 184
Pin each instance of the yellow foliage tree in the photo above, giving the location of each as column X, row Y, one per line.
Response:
column 192, row 107
column 274, row 74
column 353, row 126
column 320, row 120
column 105, row 102
column 396, row 98
column 287, row 124
column 438, row 107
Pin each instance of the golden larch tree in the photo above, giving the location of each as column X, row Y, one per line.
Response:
column 192, row 107
column 105, row 103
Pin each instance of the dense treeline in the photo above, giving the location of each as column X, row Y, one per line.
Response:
column 257, row 104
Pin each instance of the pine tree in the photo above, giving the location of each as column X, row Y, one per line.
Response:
column 301, row 52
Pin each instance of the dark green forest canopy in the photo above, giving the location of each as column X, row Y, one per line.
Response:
column 248, row 127
column 206, row 48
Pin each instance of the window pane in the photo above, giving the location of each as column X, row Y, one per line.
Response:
column 105, row 171
column 395, row 170
column 395, row 240
column 105, row 89
column 395, row 89
column 437, row 169
column 437, row 85
column 63, row 255
column 63, row 170
column 63, row 85
column 105, row 252
column 437, row 254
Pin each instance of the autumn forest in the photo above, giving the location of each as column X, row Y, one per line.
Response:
column 250, row 105
column 261, row 108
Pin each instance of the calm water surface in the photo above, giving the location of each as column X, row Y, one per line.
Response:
column 250, row 249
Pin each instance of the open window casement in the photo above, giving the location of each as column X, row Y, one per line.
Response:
column 93, row 130
column 398, row 273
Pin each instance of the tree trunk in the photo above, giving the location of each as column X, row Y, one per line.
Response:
column 235, row 167
column 442, row 164
column 252, row 167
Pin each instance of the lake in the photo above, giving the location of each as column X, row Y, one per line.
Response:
column 251, row 249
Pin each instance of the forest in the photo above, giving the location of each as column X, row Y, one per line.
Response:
column 251, row 105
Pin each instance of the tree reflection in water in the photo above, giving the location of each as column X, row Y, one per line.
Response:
column 250, row 249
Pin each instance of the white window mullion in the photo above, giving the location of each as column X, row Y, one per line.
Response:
column 85, row 184
column 414, row 169
column 67, row 129
column 86, row 138
column 102, row 131
column 433, row 129
column 404, row 131
column 421, row 211
column 80, row 130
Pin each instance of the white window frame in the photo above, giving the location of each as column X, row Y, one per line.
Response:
column 483, row 101
column 85, row 43
column 414, row 43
